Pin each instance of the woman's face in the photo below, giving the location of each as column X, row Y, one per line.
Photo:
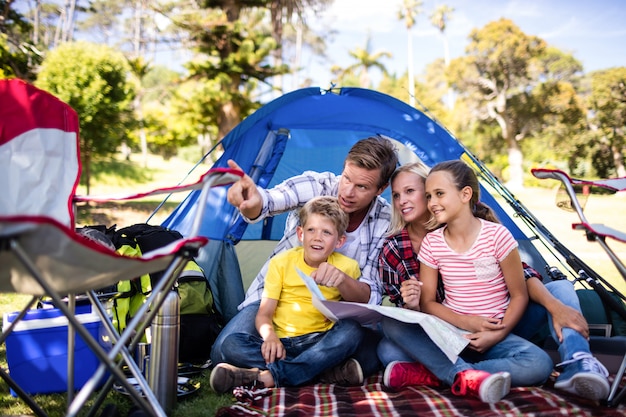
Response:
column 409, row 200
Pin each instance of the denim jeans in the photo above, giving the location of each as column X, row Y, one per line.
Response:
column 527, row 363
column 243, row 322
column 307, row 355
column 536, row 316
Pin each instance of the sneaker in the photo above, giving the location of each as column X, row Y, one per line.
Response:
column 585, row 376
column 225, row 377
column 490, row 388
column 401, row 374
column 347, row 373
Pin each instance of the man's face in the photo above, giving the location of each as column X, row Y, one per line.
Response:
column 358, row 188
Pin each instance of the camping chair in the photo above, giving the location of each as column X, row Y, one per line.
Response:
column 41, row 254
column 596, row 233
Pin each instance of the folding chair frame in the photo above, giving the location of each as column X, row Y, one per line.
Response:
column 597, row 233
column 123, row 343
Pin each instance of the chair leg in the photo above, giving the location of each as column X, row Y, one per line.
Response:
column 614, row 398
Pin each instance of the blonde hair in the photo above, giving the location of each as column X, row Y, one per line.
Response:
column 328, row 207
column 464, row 176
column 417, row 168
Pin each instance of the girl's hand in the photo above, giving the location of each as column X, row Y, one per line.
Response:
column 411, row 290
column 483, row 324
column 483, row 341
column 272, row 349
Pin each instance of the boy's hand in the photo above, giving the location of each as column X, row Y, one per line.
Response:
column 272, row 349
column 328, row 275
column 244, row 195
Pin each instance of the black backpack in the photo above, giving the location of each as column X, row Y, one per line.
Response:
column 200, row 322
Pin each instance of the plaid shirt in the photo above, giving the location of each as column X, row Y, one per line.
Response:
column 292, row 194
column 398, row 262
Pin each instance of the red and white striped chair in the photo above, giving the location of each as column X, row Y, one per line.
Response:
column 42, row 255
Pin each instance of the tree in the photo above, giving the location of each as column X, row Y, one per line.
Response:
column 439, row 18
column 18, row 54
column 408, row 12
column 608, row 105
column 365, row 59
column 91, row 78
column 232, row 46
column 496, row 77
column 282, row 12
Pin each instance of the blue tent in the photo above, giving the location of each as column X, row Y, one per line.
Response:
column 313, row 129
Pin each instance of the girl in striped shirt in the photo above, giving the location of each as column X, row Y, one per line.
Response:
column 485, row 294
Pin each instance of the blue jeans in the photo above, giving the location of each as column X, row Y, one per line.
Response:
column 536, row 317
column 527, row 363
column 306, row 357
column 243, row 322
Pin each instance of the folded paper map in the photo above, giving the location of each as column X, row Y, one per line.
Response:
column 446, row 336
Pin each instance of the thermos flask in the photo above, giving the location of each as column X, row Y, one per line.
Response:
column 163, row 374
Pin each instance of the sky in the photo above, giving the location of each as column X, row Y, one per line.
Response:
column 594, row 32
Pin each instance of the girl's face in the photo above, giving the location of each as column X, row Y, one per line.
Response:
column 409, row 200
column 445, row 201
column 319, row 239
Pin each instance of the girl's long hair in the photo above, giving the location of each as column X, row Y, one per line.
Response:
column 464, row 176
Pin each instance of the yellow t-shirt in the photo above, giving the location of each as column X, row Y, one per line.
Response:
column 295, row 314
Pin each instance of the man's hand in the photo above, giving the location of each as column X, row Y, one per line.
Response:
column 328, row 275
column 244, row 195
column 565, row 316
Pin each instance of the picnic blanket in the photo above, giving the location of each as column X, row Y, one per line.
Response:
column 374, row 399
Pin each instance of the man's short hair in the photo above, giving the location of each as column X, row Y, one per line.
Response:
column 375, row 152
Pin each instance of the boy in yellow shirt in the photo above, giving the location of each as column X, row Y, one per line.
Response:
column 295, row 343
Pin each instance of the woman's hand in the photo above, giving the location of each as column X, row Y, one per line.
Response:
column 411, row 290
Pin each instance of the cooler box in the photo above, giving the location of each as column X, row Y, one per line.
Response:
column 36, row 350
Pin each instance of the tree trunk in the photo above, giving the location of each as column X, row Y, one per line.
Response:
column 618, row 161
column 516, row 170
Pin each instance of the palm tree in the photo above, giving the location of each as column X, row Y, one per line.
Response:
column 282, row 11
column 439, row 18
column 366, row 59
column 408, row 12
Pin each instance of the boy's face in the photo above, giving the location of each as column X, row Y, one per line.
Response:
column 319, row 239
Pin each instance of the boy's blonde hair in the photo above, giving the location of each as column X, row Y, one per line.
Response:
column 328, row 207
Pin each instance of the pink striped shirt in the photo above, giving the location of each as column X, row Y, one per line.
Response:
column 473, row 280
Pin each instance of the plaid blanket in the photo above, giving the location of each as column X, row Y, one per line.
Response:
column 374, row 399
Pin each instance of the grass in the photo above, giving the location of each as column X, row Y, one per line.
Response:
column 116, row 176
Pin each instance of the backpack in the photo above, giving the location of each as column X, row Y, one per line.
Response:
column 200, row 322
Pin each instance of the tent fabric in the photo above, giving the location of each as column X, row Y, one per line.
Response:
column 313, row 129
